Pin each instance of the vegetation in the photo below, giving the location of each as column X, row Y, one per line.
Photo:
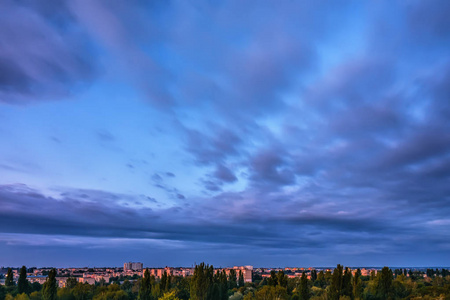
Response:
column 210, row 284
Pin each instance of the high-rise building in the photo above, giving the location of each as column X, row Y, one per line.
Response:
column 132, row 266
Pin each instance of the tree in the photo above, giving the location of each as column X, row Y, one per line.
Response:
column 112, row 292
column 9, row 281
column 126, row 285
column 35, row 296
column 201, row 281
column 347, row 288
column 282, row 279
column 215, row 291
column 265, row 293
column 22, row 296
column 223, row 282
column 272, row 280
column 49, row 290
column 313, row 275
column 65, row 294
column 280, row 293
column 83, row 291
column 384, row 287
column 357, row 285
column 336, row 284
column 241, row 279
column 2, row 292
column 304, row 288
column 372, row 275
column 163, row 283
column 182, row 288
column 22, row 283
column 399, row 290
column 169, row 296
column 35, row 287
column 321, row 279
column 328, row 277
column 232, row 279
column 145, row 288
column 271, row 293
column 168, row 282
column 71, row 282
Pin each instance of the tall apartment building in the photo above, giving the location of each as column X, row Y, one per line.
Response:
column 246, row 272
column 132, row 266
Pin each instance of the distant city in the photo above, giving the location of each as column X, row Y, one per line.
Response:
column 93, row 275
column 134, row 281
column 129, row 269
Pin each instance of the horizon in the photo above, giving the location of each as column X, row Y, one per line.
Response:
column 255, row 133
column 228, row 267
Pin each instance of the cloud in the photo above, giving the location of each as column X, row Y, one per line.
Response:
column 41, row 59
column 240, row 219
column 210, row 148
column 225, row 174
column 271, row 167
column 306, row 125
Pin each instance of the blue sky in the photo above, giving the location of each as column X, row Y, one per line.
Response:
column 292, row 133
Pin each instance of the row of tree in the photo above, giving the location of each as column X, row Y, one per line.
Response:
column 210, row 284
column 47, row 291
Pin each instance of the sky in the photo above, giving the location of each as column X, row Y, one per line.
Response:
column 265, row 133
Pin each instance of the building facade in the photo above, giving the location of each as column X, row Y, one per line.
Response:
column 132, row 266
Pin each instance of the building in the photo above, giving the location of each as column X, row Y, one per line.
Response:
column 89, row 280
column 132, row 266
column 246, row 272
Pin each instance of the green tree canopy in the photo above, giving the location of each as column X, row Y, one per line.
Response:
column 169, row 296
column 282, row 279
column 71, row 282
column 313, row 275
column 336, row 284
column 304, row 288
column 9, row 281
column 347, row 288
column 384, row 287
column 22, row 283
column 145, row 289
column 232, row 279
column 357, row 284
column 272, row 280
column 201, row 281
column 241, row 279
column 49, row 290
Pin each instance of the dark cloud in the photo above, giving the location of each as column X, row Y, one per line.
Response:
column 212, row 185
column 271, row 167
column 237, row 221
column 41, row 59
column 225, row 174
column 211, row 148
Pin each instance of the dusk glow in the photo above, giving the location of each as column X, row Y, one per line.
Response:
column 265, row 133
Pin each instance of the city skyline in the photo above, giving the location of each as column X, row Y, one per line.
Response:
column 270, row 134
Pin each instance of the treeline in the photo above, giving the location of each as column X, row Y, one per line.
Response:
column 210, row 284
